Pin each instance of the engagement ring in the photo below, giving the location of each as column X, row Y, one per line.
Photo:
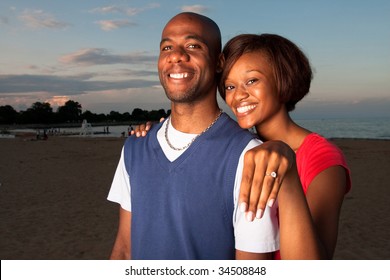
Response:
column 272, row 174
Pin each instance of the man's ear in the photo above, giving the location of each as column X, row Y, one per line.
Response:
column 220, row 63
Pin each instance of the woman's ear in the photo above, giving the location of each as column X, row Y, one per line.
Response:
column 220, row 63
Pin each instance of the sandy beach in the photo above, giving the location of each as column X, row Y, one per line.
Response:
column 53, row 199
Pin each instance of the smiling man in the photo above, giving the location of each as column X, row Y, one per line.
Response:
column 178, row 187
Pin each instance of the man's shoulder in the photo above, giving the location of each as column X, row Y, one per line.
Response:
column 228, row 123
column 133, row 140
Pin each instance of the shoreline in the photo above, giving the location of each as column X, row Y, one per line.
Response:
column 64, row 125
column 20, row 133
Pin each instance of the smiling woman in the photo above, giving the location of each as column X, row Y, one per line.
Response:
column 263, row 79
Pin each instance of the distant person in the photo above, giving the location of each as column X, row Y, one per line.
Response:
column 263, row 79
column 178, row 187
column 45, row 137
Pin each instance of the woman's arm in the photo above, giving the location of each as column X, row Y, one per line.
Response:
column 298, row 235
column 325, row 196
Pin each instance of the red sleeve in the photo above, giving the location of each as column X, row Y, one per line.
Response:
column 317, row 154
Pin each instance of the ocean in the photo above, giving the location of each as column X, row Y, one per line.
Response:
column 330, row 128
column 374, row 128
column 349, row 128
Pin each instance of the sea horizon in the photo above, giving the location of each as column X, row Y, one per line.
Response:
column 359, row 128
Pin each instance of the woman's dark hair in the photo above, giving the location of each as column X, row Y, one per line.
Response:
column 291, row 67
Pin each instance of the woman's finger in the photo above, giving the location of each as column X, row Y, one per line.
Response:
column 246, row 181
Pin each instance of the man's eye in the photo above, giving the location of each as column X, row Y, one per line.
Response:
column 193, row 46
column 166, row 48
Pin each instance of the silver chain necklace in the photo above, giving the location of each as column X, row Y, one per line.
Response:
column 193, row 139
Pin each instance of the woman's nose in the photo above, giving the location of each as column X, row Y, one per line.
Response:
column 241, row 93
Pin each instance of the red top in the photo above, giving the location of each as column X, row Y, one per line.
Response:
column 317, row 154
column 314, row 156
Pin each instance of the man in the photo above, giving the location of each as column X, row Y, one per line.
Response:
column 177, row 187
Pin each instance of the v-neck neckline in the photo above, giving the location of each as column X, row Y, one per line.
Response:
column 170, row 166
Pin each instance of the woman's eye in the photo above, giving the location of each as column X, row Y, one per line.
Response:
column 251, row 81
column 229, row 87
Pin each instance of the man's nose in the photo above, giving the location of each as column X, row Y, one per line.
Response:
column 178, row 55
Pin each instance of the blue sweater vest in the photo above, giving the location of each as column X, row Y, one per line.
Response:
column 184, row 209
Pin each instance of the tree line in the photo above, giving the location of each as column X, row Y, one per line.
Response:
column 71, row 112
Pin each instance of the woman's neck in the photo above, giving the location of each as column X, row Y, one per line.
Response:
column 283, row 128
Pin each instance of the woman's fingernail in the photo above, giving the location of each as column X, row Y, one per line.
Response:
column 249, row 216
column 271, row 202
column 259, row 213
column 243, row 207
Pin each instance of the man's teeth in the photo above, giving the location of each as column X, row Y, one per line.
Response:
column 245, row 109
column 179, row 75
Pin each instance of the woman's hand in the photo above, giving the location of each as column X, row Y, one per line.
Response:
column 143, row 129
column 265, row 166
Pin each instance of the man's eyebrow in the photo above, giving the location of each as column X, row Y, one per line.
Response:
column 197, row 38
column 163, row 40
column 193, row 37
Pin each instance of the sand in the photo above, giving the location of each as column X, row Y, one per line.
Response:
column 53, row 199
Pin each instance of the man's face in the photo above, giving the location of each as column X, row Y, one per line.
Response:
column 188, row 59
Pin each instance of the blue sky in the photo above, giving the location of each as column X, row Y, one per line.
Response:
column 103, row 53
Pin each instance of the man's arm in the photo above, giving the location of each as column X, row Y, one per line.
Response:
column 257, row 239
column 122, row 245
column 241, row 255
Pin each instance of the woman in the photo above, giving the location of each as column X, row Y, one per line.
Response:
column 264, row 76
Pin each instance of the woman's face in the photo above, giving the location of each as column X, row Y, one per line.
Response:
column 251, row 91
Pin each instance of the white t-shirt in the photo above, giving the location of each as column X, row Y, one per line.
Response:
column 259, row 236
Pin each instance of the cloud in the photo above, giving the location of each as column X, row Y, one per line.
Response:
column 108, row 25
column 57, row 101
column 135, row 73
column 107, row 10
column 195, row 9
column 38, row 19
column 136, row 11
column 111, row 24
column 124, row 10
column 65, row 85
column 32, row 67
column 117, row 9
column 99, row 56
